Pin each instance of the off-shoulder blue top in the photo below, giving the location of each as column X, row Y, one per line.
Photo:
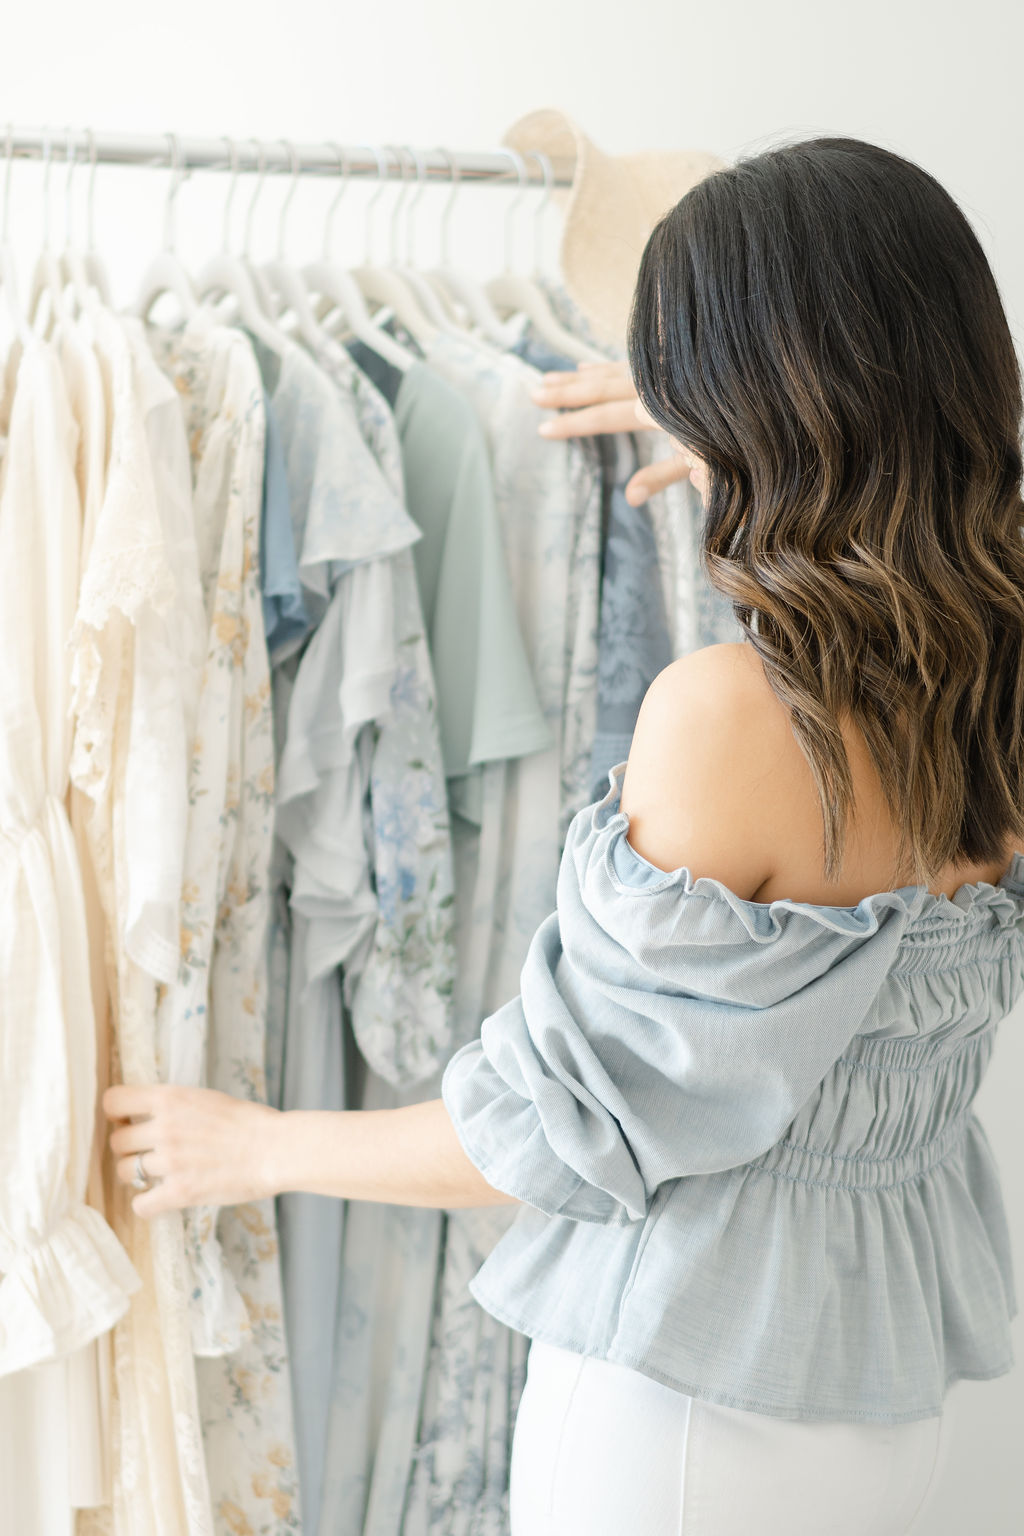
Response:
column 744, row 1137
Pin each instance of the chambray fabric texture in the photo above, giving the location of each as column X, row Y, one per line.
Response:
column 635, row 644
column 285, row 620
column 744, row 1137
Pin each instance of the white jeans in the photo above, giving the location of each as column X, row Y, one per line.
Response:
column 602, row 1450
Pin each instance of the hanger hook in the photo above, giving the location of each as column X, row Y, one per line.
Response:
column 232, row 187
column 455, row 176
column 90, row 225
column 382, row 179
column 261, row 173
column 71, row 155
column 342, row 155
column 523, row 174
column 292, row 189
column 179, row 173
column 400, row 200
column 539, row 212
column 414, row 202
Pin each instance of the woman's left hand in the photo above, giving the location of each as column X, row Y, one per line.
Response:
column 198, row 1146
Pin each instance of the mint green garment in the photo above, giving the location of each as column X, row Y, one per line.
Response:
column 486, row 697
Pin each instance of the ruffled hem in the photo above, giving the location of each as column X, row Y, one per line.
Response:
column 602, row 838
column 218, row 1317
column 65, row 1292
column 754, row 1307
column 807, row 1414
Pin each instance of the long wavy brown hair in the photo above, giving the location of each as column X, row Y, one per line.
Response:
column 819, row 322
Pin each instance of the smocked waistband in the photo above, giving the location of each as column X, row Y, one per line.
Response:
column 840, row 1170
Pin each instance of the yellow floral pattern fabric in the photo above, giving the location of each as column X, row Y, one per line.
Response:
column 213, row 1019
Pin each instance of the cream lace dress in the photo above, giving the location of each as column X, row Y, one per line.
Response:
column 66, row 1278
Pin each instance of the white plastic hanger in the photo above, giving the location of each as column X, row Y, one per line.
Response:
column 166, row 273
column 517, row 294
column 94, row 264
column 462, row 287
column 263, row 294
column 8, row 272
column 284, row 282
column 384, row 285
column 339, row 291
column 229, row 275
column 71, row 263
column 434, row 302
column 47, row 281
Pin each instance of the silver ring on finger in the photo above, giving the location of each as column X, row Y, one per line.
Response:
column 140, row 1179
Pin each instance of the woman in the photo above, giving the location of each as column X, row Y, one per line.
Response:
column 760, row 1232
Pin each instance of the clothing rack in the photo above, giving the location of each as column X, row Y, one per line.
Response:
column 381, row 162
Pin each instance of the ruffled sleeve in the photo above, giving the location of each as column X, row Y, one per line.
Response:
column 665, row 1027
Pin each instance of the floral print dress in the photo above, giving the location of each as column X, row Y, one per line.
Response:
column 211, row 1020
column 426, row 1384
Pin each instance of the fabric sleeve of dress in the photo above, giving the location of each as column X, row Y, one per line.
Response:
column 665, row 1027
column 169, row 656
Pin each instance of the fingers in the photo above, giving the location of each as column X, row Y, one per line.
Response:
column 145, row 1112
column 169, row 1186
column 154, row 1165
column 615, row 416
column 162, row 1197
column 655, row 477
column 135, row 1137
column 586, row 386
column 164, row 1193
column 598, row 397
column 123, row 1101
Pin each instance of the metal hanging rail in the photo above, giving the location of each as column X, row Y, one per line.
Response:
column 389, row 162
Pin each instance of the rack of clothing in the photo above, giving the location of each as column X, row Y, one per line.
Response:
column 312, row 649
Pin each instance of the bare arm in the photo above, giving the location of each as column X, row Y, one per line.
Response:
column 207, row 1148
column 695, row 792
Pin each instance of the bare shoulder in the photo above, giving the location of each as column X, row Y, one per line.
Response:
column 733, row 665
column 711, row 749
column 721, row 686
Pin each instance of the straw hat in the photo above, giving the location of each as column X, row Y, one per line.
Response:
column 610, row 209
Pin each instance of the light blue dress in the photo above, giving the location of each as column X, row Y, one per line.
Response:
column 285, row 619
column 325, row 909
column 744, row 1138
column 635, row 644
column 426, row 1384
column 362, row 918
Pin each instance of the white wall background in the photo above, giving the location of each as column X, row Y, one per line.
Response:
column 935, row 80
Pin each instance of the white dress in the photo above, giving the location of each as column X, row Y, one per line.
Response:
column 66, row 1279
column 129, row 703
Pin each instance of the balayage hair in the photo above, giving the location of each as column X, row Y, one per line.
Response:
column 820, row 324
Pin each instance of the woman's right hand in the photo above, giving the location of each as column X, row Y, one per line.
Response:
column 598, row 398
